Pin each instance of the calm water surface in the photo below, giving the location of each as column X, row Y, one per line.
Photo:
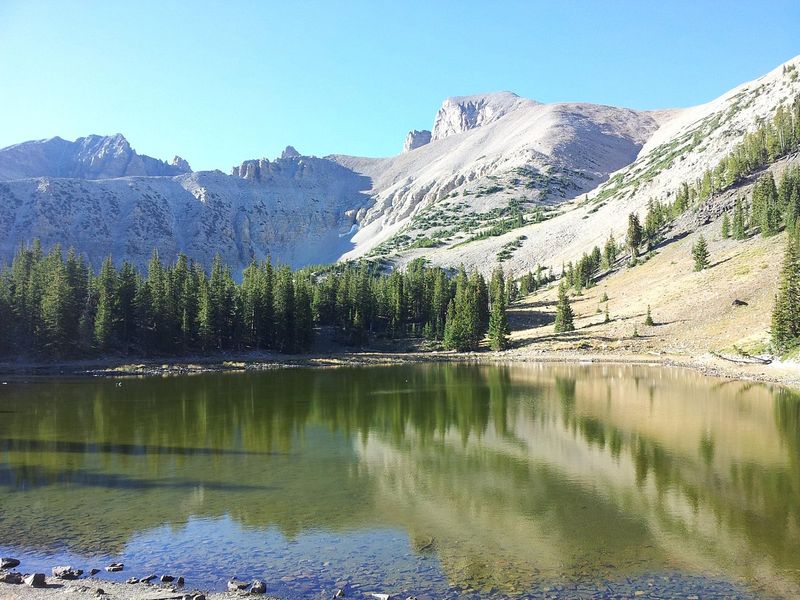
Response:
column 436, row 480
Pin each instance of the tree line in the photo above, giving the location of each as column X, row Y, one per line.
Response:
column 54, row 306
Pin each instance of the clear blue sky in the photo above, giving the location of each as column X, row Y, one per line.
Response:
column 220, row 82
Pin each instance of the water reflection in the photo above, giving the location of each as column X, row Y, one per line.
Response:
column 510, row 476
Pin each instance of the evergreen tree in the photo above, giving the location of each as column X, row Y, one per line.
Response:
column 648, row 321
column 700, row 254
column 739, row 230
column 726, row 225
column 786, row 313
column 635, row 233
column 107, row 314
column 564, row 316
column 284, row 305
column 498, row 319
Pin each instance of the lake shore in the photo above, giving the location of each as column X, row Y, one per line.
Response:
column 776, row 372
column 97, row 589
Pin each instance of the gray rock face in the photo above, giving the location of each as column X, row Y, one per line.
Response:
column 415, row 139
column 296, row 210
column 462, row 113
column 91, row 157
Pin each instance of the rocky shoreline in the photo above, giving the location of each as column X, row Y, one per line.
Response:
column 714, row 365
column 17, row 584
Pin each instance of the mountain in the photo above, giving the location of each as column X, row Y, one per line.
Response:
column 497, row 179
column 91, row 157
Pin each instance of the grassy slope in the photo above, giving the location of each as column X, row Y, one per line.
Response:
column 693, row 311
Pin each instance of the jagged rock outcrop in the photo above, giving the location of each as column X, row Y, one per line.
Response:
column 91, row 157
column 416, row 139
column 181, row 164
column 462, row 113
column 290, row 152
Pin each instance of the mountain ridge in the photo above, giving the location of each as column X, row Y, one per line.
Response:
column 572, row 170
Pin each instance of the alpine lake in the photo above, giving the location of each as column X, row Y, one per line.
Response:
column 427, row 480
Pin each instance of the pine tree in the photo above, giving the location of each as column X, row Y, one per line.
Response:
column 739, row 230
column 700, row 254
column 648, row 321
column 498, row 319
column 607, row 318
column 726, row 226
column 786, row 314
column 284, row 307
column 564, row 316
column 634, row 237
column 107, row 314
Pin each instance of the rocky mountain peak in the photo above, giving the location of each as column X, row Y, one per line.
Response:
column 462, row 113
column 90, row 157
column 290, row 152
column 415, row 139
column 181, row 164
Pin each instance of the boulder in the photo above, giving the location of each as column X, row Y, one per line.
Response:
column 36, row 580
column 15, row 578
column 235, row 586
column 180, row 581
column 8, row 563
column 115, row 567
column 132, row 580
column 147, row 579
column 93, row 572
column 167, row 578
column 66, row 572
column 258, row 587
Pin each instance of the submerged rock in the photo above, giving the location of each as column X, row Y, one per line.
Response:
column 35, row 580
column 180, row 581
column 115, row 567
column 258, row 587
column 93, row 572
column 147, row 579
column 167, row 579
column 8, row 563
column 132, row 580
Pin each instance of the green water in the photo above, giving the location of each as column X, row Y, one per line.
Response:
column 437, row 480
